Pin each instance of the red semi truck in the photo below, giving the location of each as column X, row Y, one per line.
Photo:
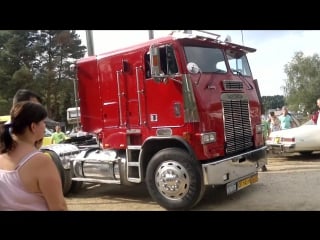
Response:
column 177, row 113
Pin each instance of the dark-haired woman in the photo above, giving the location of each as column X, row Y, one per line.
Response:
column 29, row 180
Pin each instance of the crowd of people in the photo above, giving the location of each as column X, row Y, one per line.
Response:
column 275, row 123
column 284, row 121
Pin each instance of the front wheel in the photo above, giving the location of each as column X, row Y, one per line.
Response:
column 71, row 186
column 174, row 180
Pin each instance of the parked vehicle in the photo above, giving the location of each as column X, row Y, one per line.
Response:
column 47, row 137
column 177, row 113
column 303, row 139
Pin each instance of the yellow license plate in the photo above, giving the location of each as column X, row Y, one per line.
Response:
column 277, row 140
column 248, row 181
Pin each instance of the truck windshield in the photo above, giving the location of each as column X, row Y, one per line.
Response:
column 210, row 60
column 238, row 63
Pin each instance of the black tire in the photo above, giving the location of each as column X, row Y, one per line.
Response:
column 306, row 153
column 64, row 173
column 68, row 182
column 72, row 186
column 174, row 167
column 76, row 186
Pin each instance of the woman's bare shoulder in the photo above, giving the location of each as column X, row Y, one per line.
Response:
column 41, row 158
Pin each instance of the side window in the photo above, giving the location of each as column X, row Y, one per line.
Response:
column 171, row 64
column 147, row 65
column 168, row 62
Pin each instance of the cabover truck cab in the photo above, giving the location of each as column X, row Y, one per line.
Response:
column 178, row 113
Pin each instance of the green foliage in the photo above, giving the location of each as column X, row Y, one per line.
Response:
column 301, row 89
column 303, row 81
column 272, row 102
column 40, row 60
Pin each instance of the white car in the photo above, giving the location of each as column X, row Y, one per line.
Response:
column 304, row 139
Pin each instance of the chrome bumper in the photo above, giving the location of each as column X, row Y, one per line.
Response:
column 235, row 167
column 281, row 148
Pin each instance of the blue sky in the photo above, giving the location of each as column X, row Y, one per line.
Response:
column 275, row 48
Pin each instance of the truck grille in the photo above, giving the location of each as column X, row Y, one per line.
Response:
column 237, row 127
column 232, row 85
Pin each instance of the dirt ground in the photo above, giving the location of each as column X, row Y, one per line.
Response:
column 290, row 184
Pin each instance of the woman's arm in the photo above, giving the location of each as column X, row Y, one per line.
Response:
column 50, row 185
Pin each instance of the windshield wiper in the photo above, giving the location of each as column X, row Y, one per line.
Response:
column 237, row 72
column 243, row 78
